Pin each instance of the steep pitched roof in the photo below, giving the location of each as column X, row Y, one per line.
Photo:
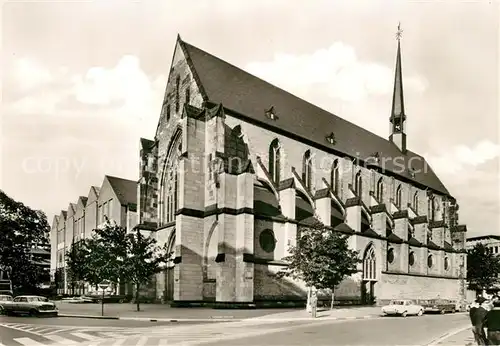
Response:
column 83, row 199
column 126, row 190
column 250, row 96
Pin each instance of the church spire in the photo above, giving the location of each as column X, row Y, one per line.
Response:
column 398, row 116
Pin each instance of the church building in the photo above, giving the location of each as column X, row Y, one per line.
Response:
column 237, row 166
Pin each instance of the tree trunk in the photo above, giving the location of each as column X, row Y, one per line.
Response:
column 137, row 303
column 333, row 298
column 308, row 303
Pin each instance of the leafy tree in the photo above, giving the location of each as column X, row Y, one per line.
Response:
column 21, row 229
column 144, row 259
column 108, row 251
column 77, row 263
column 483, row 267
column 322, row 258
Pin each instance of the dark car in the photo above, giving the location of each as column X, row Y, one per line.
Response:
column 441, row 306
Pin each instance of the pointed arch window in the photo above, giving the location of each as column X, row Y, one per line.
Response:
column 415, row 202
column 334, row 177
column 274, row 160
column 358, row 184
column 432, row 211
column 188, row 95
column 307, row 169
column 177, row 86
column 170, row 184
column 380, row 191
column 398, row 197
column 369, row 264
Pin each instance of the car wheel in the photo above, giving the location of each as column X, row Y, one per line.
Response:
column 120, row 301
column 442, row 312
column 420, row 312
column 404, row 314
column 2, row 310
column 33, row 313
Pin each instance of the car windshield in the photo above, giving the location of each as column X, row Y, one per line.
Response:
column 38, row 299
column 5, row 298
column 397, row 302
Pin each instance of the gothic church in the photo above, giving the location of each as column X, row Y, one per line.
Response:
column 238, row 165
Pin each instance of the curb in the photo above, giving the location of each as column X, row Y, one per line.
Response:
column 310, row 319
column 447, row 335
column 148, row 319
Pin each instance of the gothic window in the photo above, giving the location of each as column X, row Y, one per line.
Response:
column 446, row 263
column 411, row 259
column 177, row 86
column 380, row 191
column 188, row 95
column 274, row 160
column 307, row 169
column 415, row 202
column 171, row 182
column 430, row 261
column 358, row 184
column 398, row 196
column 334, row 177
column 432, row 209
column 390, row 255
column 369, row 264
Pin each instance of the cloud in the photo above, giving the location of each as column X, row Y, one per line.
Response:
column 336, row 71
column 30, row 74
column 461, row 158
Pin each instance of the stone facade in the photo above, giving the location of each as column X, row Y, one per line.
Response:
column 229, row 194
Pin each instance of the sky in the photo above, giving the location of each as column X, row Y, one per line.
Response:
column 82, row 81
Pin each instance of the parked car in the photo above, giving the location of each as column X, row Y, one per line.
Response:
column 109, row 298
column 30, row 305
column 4, row 298
column 440, row 305
column 80, row 300
column 403, row 307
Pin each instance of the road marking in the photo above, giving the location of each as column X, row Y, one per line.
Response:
column 84, row 336
column 142, row 341
column 448, row 335
column 60, row 339
column 28, row 342
column 119, row 342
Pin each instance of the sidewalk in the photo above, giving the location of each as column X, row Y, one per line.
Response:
column 338, row 313
column 160, row 312
column 462, row 338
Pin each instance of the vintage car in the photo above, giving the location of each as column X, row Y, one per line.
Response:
column 439, row 305
column 80, row 300
column 30, row 305
column 3, row 299
column 403, row 307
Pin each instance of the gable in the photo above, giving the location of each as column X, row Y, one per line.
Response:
column 55, row 222
column 71, row 210
column 93, row 195
column 248, row 96
column 63, row 215
column 182, row 69
column 123, row 189
column 82, row 202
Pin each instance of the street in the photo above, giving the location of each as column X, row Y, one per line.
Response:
column 373, row 331
column 35, row 331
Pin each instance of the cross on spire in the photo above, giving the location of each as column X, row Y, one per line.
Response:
column 399, row 33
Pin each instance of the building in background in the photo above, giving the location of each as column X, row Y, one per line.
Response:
column 116, row 199
column 492, row 242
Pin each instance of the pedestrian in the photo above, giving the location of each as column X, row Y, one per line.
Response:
column 477, row 316
column 493, row 324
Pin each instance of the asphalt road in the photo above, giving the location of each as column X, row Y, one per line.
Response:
column 378, row 331
column 15, row 331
